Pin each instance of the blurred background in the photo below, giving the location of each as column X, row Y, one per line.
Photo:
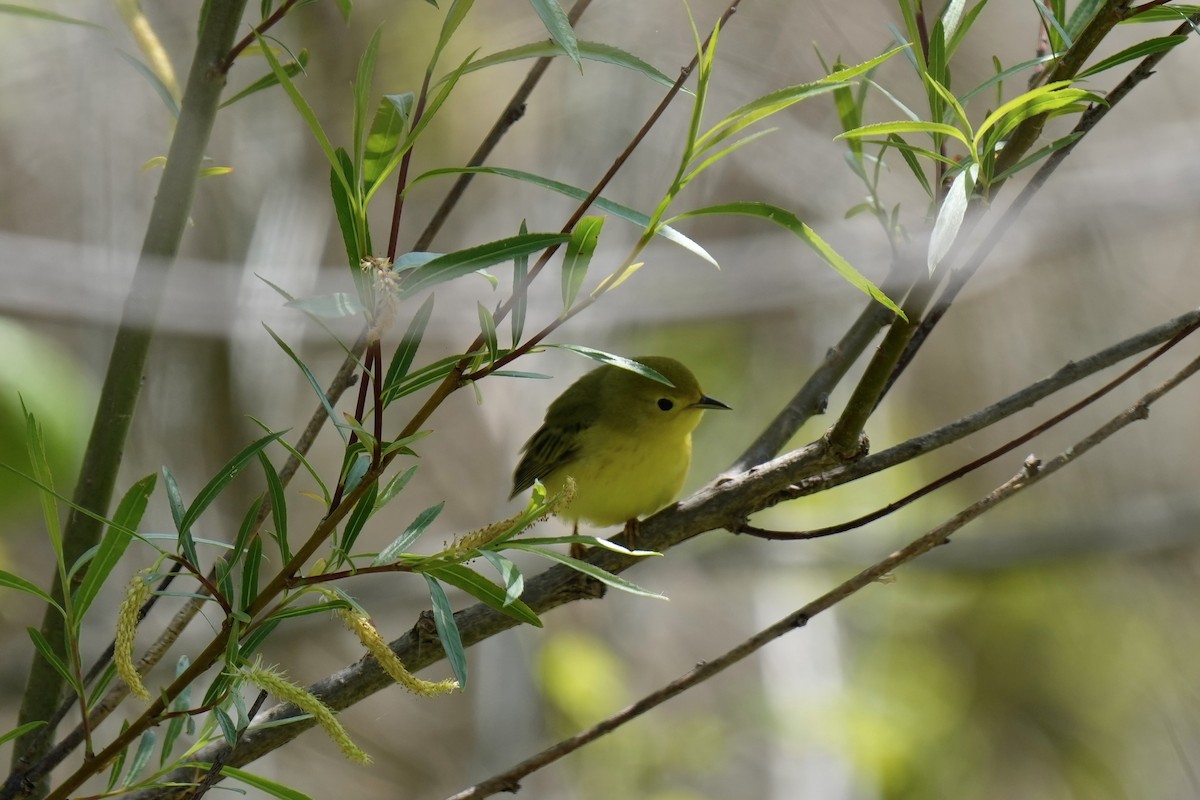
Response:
column 1051, row 652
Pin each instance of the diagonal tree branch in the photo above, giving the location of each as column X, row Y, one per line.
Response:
column 1031, row 473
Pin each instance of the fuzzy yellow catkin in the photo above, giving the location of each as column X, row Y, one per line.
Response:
column 276, row 683
column 486, row 535
column 127, row 619
column 392, row 665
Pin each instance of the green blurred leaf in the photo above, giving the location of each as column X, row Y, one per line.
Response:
column 11, row 581
column 312, row 380
column 250, row 571
column 387, row 130
column 791, row 222
column 614, row 360
column 616, row 209
column 307, row 114
column 126, row 518
column 19, row 731
column 520, row 298
column 330, row 306
column 278, row 507
column 156, row 83
column 487, row 326
column 48, row 16
column 291, row 69
column 580, row 250
column 356, row 522
column 187, row 545
column 463, row 262
column 406, row 540
column 362, row 96
column 224, row 476
column 47, row 652
column 589, row 51
column 447, row 628
column 406, row 351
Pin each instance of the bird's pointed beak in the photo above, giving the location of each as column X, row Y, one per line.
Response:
column 710, row 402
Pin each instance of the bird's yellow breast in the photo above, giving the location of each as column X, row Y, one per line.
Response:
column 621, row 474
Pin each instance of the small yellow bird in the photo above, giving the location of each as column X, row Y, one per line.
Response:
column 625, row 439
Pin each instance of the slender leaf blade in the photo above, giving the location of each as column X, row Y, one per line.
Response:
column 447, row 628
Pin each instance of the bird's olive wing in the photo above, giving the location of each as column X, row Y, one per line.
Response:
column 550, row 448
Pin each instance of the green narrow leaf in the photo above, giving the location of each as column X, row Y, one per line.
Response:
column 1043, row 100
column 791, row 222
column 406, row 351
column 591, row 570
column 1139, row 50
column 447, row 628
column 960, row 31
column 246, row 530
column 159, row 87
column 11, row 581
column 118, row 764
column 127, row 518
column 514, row 582
column 454, row 265
column 913, row 165
column 187, row 545
column 395, row 486
column 48, row 16
column 307, row 114
column 329, row 306
column 484, row 590
column 614, row 360
column 431, row 373
column 20, row 730
column 609, row 207
column 559, row 27
column 312, row 381
column 264, row 784
column 141, row 758
column 345, row 209
column 387, row 130
column 224, row 476
column 588, row 51
column 520, row 298
column 362, row 512
column 950, row 216
column 580, row 250
column 43, row 647
column 454, row 16
column 175, row 726
column 413, row 532
column 362, row 96
column 228, row 729
column 278, row 507
column 487, row 325
column 1033, row 158
column 250, row 571
column 905, row 126
column 291, row 69
column 431, row 110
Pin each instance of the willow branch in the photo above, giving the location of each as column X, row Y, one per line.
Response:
column 1032, row 472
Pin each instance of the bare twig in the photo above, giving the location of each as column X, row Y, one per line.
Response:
column 1032, row 472
column 987, row 458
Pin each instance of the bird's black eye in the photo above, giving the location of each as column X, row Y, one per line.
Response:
column 665, row 404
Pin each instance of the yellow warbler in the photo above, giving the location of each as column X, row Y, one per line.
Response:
column 624, row 438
